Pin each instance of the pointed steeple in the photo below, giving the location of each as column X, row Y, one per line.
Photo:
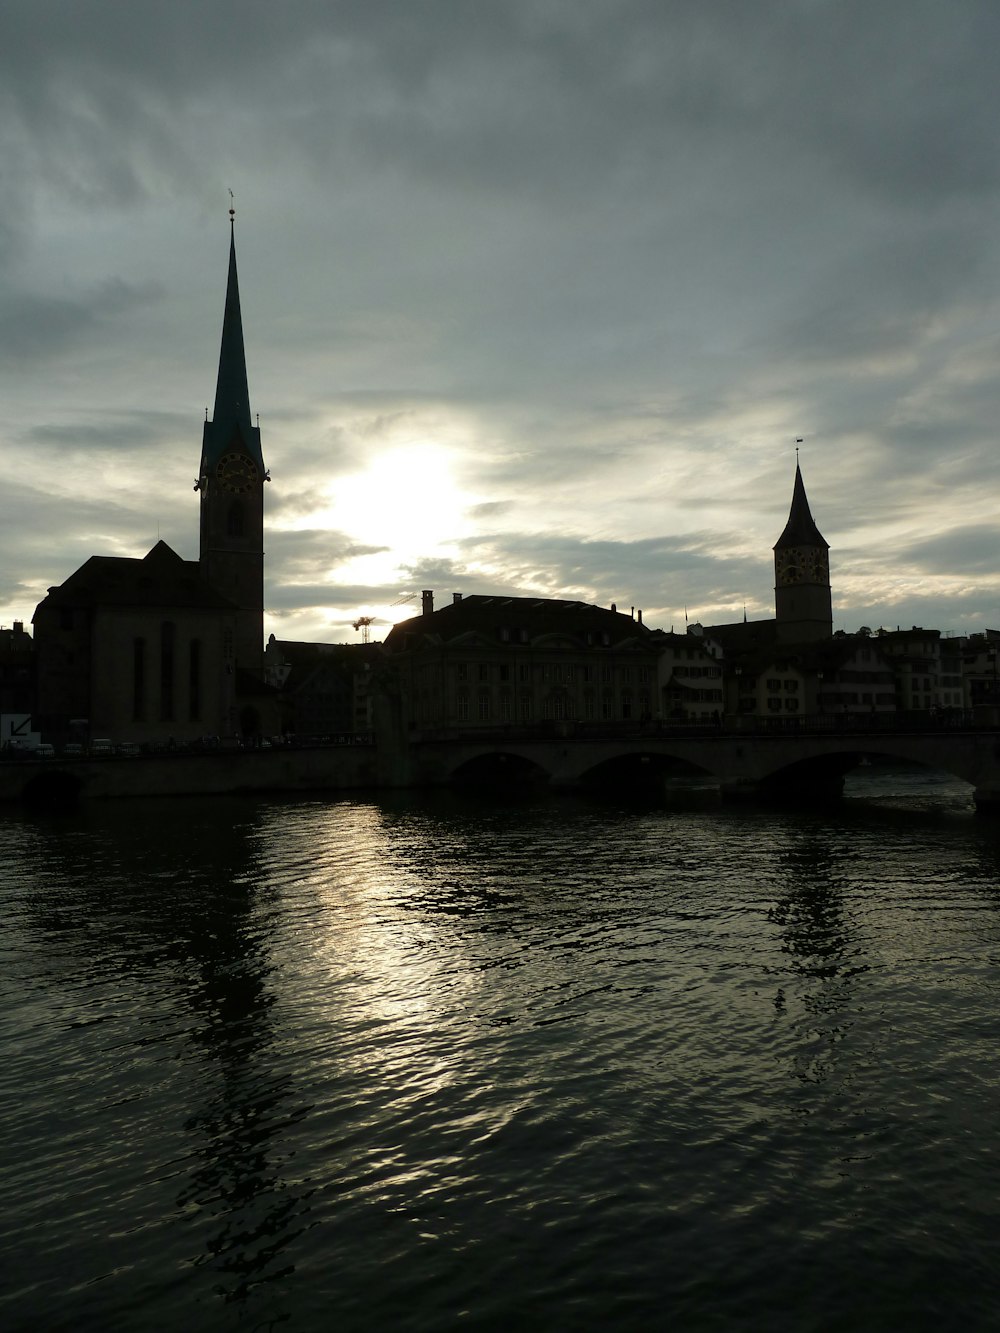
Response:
column 801, row 529
column 231, row 483
column 230, row 427
column 802, row 596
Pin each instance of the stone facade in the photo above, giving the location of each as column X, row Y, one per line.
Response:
column 494, row 662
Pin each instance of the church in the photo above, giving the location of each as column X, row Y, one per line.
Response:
column 161, row 649
column 803, row 604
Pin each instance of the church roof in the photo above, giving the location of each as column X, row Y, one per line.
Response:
column 801, row 529
column 743, row 636
column 159, row 579
column 231, row 424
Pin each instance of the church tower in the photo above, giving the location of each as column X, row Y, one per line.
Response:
column 802, row 605
column 231, row 481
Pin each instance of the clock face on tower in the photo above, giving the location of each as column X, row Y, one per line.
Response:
column 789, row 567
column 802, row 565
column 237, row 472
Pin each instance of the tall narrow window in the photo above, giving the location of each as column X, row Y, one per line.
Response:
column 138, row 679
column 194, row 680
column 167, row 671
column 234, row 519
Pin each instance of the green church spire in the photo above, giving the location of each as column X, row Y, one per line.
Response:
column 231, row 427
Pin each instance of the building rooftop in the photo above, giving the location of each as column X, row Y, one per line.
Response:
column 532, row 615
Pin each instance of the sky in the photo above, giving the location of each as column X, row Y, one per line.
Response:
column 537, row 297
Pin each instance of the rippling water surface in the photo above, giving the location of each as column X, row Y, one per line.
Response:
column 423, row 1062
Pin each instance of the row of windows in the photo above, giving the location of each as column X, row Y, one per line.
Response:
column 514, row 634
column 643, row 695
column 774, row 705
column 555, row 707
column 557, row 672
column 848, row 697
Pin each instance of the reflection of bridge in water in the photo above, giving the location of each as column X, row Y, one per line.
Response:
column 809, row 759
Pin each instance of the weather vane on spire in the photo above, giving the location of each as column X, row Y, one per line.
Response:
column 232, row 206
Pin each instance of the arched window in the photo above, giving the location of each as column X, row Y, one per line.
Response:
column 167, row 636
column 138, row 679
column 235, row 519
column 194, row 680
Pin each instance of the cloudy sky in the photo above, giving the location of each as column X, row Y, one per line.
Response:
column 537, row 296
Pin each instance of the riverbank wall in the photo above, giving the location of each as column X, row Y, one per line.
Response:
column 214, row 773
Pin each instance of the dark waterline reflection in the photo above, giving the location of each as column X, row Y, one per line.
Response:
column 426, row 1062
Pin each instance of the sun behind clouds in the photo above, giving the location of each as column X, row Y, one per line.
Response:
column 406, row 500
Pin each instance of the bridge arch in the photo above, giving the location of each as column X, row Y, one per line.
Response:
column 826, row 758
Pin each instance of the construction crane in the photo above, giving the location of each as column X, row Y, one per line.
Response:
column 362, row 623
column 406, row 597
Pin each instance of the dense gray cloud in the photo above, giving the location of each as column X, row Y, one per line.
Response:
column 537, row 294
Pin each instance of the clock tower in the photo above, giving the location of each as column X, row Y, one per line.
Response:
column 231, row 482
column 802, row 604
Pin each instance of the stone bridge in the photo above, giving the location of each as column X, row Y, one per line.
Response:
column 807, row 762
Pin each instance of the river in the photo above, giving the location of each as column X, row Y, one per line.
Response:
column 425, row 1062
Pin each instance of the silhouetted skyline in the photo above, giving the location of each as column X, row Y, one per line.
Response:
column 537, row 299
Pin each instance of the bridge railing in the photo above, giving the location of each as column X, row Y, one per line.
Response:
column 854, row 724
